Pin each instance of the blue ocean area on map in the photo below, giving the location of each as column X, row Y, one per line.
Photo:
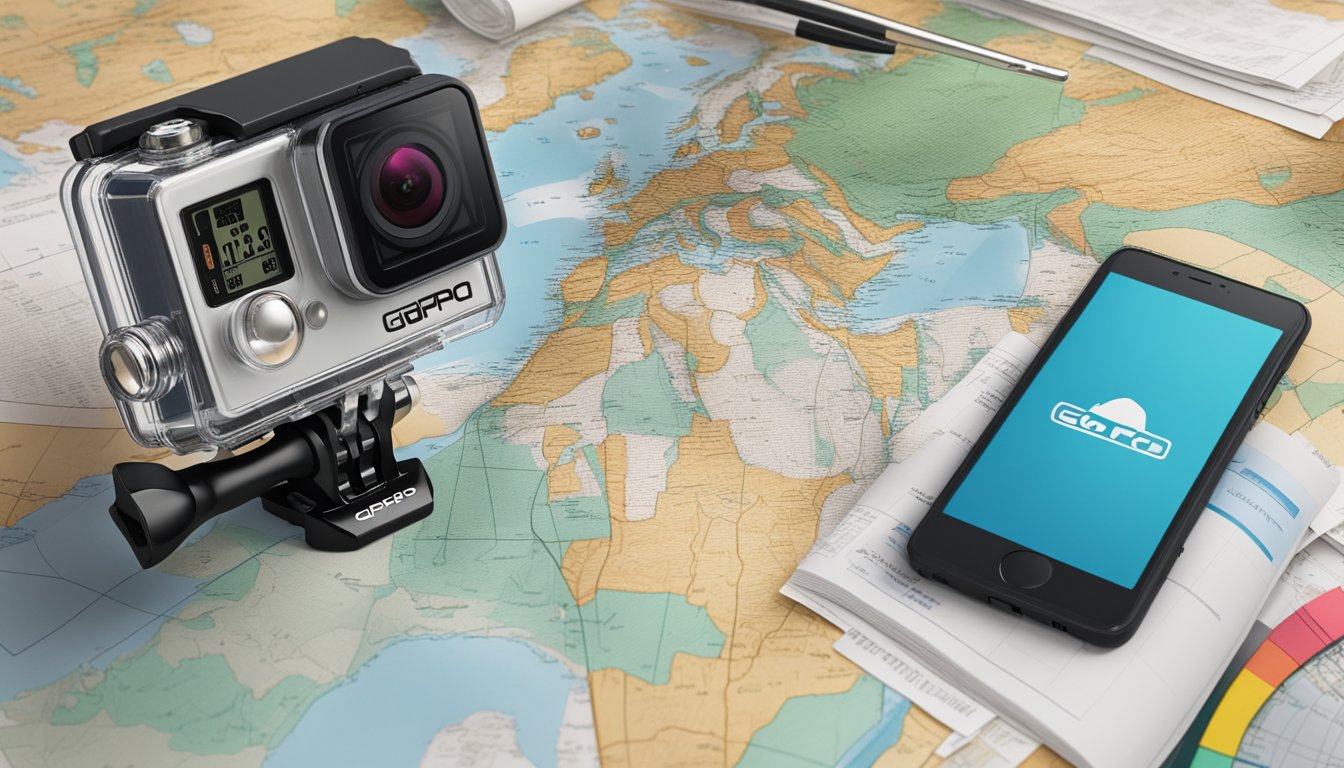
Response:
column 941, row 265
column 81, row 591
column 10, row 166
column 15, row 85
column 883, row 735
column 391, row 708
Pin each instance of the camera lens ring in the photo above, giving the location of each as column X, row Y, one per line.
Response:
column 418, row 145
column 409, row 184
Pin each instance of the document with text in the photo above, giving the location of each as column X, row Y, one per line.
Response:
column 1312, row 109
column 1254, row 40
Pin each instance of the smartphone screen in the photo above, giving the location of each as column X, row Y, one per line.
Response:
column 1096, row 457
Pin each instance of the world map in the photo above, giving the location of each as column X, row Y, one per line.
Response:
column 737, row 265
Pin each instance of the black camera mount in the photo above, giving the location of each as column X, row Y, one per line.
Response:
column 343, row 486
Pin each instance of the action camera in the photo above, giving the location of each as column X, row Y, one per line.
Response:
column 270, row 254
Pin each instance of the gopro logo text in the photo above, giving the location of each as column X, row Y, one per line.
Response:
column 418, row 310
column 1121, row 422
column 396, row 498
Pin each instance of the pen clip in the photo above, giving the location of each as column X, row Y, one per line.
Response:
column 842, row 38
column 825, row 16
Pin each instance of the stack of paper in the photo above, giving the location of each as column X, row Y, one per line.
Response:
column 1329, row 524
column 966, row 663
column 1252, row 55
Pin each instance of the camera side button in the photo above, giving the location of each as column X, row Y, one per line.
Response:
column 141, row 362
column 268, row 330
column 316, row 314
column 1024, row 569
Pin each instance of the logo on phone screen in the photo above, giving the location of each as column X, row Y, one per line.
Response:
column 1120, row 421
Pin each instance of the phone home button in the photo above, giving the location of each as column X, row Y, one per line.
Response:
column 1024, row 570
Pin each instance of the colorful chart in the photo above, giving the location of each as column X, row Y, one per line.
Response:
column 1305, row 634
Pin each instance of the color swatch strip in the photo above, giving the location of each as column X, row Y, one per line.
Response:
column 1308, row 631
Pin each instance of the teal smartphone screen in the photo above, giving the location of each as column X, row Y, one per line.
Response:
column 1108, row 439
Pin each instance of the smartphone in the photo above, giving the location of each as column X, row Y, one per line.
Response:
column 1075, row 502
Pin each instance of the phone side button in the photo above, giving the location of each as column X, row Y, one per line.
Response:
column 1024, row 569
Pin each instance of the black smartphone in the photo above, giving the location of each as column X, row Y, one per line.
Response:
column 1076, row 501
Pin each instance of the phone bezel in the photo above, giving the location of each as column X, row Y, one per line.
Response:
column 967, row 557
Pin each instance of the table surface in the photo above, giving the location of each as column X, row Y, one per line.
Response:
column 737, row 266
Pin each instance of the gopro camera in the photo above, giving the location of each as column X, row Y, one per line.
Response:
column 270, row 254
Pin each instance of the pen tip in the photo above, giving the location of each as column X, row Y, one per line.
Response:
column 1040, row 70
column 1051, row 73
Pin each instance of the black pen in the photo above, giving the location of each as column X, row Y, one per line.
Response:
column 841, row 16
column 787, row 23
column 826, row 21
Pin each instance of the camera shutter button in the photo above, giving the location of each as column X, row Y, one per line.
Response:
column 269, row 330
column 172, row 136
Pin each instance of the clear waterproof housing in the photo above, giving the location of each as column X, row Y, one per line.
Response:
column 249, row 272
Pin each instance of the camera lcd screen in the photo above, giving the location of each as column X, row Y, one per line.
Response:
column 1095, row 459
column 237, row 242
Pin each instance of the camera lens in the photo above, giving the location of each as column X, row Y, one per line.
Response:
column 408, row 188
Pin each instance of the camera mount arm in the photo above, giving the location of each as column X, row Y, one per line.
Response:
column 344, row 487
